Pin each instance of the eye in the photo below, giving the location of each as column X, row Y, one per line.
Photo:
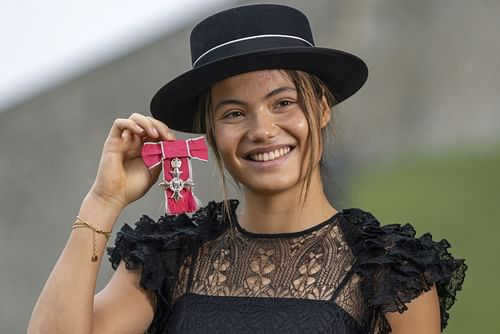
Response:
column 233, row 114
column 284, row 103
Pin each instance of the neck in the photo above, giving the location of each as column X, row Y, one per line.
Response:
column 285, row 211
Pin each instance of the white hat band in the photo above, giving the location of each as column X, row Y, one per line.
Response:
column 247, row 38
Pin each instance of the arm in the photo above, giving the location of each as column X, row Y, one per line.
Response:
column 67, row 299
column 67, row 303
column 123, row 306
column 421, row 317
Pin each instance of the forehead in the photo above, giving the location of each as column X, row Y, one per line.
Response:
column 251, row 83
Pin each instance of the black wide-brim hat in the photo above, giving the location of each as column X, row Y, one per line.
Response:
column 251, row 38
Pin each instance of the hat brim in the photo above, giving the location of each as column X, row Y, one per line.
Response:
column 176, row 102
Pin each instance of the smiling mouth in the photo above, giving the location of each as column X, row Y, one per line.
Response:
column 271, row 155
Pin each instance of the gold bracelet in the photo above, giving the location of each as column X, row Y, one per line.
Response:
column 82, row 223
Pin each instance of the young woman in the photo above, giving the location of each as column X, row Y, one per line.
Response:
column 289, row 262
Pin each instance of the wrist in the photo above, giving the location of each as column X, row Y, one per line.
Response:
column 104, row 201
column 101, row 212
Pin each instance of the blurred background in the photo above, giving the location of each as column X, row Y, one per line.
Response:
column 420, row 143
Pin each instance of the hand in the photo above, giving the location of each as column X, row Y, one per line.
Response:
column 122, row 177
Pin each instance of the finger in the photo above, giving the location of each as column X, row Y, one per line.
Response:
column 121, row 124
column 125, row 134
column 165, row 132
column 147, row 124
column 130, row 138
column 156, row 129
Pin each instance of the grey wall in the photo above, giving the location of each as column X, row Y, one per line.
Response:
column 432, row 86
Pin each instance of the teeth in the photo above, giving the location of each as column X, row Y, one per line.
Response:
column 266, row 156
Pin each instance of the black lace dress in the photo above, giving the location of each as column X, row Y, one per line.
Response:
column 341, row 276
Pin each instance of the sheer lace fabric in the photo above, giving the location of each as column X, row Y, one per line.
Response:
column 312, row 265
column 339, row 276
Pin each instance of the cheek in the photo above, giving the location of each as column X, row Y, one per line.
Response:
column 302, row 127
column 298, row 126
column 225, row 141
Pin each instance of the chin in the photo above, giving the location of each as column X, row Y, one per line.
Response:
column 272, row 187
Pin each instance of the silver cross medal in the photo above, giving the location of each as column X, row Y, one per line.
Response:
column 176, row 184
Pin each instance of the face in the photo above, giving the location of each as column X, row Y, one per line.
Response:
column 261, row 131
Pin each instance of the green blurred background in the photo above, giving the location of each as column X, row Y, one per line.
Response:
column 454, row 195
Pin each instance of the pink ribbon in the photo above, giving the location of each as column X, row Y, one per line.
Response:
column 175, row 157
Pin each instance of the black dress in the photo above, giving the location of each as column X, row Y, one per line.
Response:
column 210, row 275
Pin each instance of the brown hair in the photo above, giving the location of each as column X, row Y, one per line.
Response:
column 310, row 92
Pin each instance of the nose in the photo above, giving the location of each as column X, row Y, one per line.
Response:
column 263, row 126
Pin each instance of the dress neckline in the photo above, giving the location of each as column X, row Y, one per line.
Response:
column 295, row 234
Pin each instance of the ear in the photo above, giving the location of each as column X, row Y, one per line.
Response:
column 325, row 112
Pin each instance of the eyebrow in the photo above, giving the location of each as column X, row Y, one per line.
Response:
column 268, row 95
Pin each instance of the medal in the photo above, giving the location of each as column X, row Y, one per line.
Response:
column 176, row 184
column 175, row 157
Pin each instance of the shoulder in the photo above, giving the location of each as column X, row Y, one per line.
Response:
column 368, row 237
column 162, row 244
column 397, row 266
column 159, row 248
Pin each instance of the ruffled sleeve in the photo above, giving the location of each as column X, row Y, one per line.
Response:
column 396, row 267
column 160, row 248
